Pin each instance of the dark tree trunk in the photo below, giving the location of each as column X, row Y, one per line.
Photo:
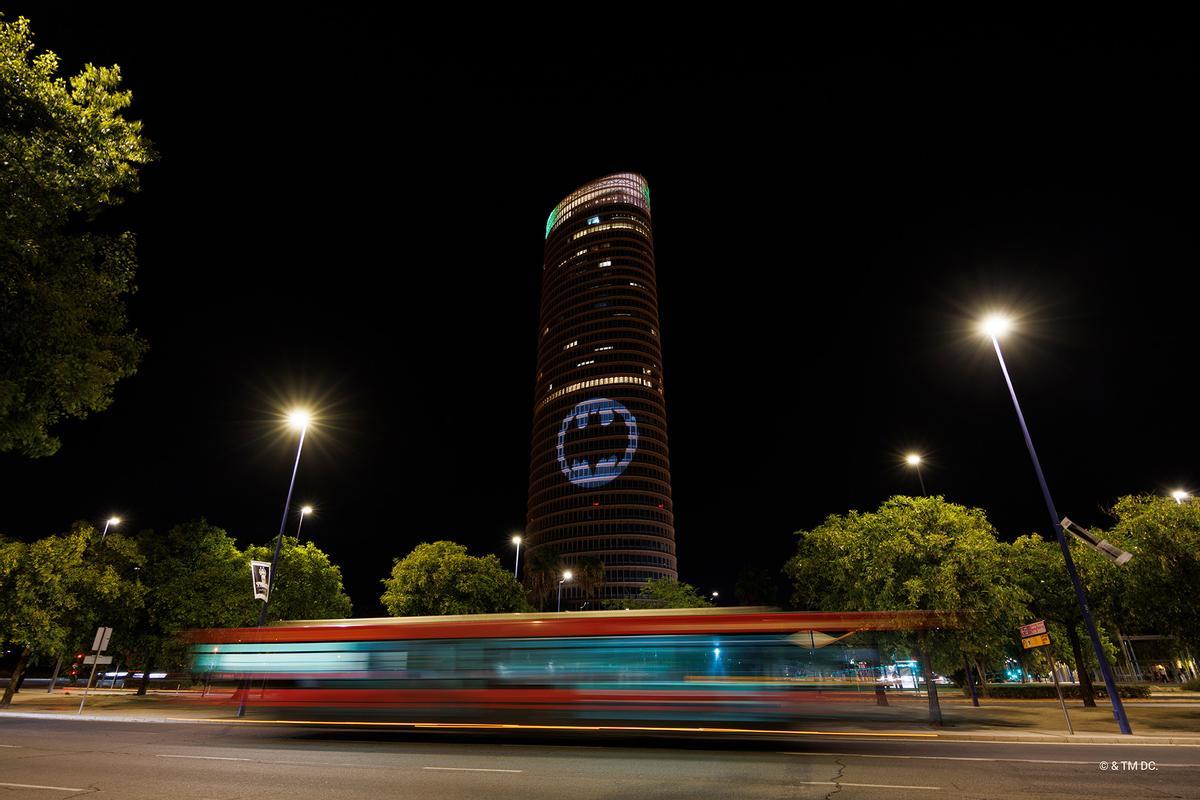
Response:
column 145, row 682
column 970, row 682
column 935, row 708
column 18, row 675
column 983, row 684
column 1081, row 669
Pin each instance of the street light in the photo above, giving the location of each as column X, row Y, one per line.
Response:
column 994, row 327
column 298, row 419
column 304, row 512
column 566, row 576
column 516, row 539
column 914, row 461
column 1181, row 496
column 113, row 521
column 715, row 595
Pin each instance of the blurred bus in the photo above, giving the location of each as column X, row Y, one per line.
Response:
column 714, row 665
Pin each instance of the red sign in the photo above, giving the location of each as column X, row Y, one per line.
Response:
column 1033, row 628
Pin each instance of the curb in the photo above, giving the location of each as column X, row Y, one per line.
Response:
column 941, row 736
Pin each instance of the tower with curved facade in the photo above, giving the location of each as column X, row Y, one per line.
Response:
column 599, row 478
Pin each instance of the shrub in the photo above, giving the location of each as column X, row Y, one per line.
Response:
column 1069, row 690
column 1193, row 685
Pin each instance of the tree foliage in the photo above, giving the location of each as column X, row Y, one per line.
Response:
column 441, row 578
column 67, row 153
column 666, row 593
column 306, row 585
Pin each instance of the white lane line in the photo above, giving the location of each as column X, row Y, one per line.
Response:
column 35, row 786
column 14, row 746
column 471, row 769
column 869, row 785
column 973, row 758
column 202, row 758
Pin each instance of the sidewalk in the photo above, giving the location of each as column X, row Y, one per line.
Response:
column 994, row 721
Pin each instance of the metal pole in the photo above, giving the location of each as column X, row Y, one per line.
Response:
column 262, row 614
column 1058, row 690
column 299, row 525
column 54, row 677
column 113, row 684
column 91, row 678
column 517, row 563
column 1110, row 683
column 921, row 481
column 560, row 583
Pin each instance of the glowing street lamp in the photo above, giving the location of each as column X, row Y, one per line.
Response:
column 994, row 327
column 1181, row 496
column 516, row 539
column 566, row 576
column 113, row 521
column 298, row 419
column 914, row 461
column 304, row 512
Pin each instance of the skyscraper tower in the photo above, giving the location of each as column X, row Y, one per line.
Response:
column 599, row 476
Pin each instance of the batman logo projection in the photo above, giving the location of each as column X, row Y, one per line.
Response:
column 596, row 442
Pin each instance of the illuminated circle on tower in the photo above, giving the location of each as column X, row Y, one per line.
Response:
column 581, row 471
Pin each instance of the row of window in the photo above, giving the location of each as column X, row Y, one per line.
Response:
column 548, row 483
column 615, row 543
column 612, row 560
column 604, row 513
column 624, row 187
column 614, row 327
column 600, row 529
column 610, row 381
column 605, row 499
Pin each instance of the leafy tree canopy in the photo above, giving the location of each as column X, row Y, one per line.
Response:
column 306, row 584
column 67, row 152
column 666, row 593
column 441, row 578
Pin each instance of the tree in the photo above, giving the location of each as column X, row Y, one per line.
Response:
column 755, row 587
column 666, row 593
column 195, row 577
column 67, row 153
column 1157, row 587
column 42, row 584
column 441, row 578
column 913, row 553
column 306, row 585
column 589, row 575
column 543, row 567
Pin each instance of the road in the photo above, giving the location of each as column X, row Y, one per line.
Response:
column 56, row 759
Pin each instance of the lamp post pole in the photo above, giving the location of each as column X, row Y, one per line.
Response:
column 1110, row 682
column 298, row 420
column 566, row 576
column 517, row 564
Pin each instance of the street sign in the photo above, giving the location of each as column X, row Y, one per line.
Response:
column 1033, row 628
column 1030, row 642
column 260, row 579
column 98, row 660
column 1101, row 546
column 100, row 643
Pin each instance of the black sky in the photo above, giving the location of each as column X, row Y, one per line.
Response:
column 349, row 210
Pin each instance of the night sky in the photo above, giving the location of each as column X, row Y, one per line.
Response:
column 349, row 212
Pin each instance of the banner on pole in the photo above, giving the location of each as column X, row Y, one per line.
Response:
column 260, row 577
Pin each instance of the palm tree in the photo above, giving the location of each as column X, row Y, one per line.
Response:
column 542, row 568
column 589, row 575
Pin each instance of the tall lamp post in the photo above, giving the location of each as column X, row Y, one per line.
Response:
column 1181, row 496
column 914, row 461
column 304, row 512
column 297, row 420
column 566, row 576
column 113, row 521
column 516, row 539
column 994, row 327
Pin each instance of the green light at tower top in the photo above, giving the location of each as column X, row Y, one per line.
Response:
column 550, row 221
column 645, row 194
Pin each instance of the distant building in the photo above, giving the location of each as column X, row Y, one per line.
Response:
column 600, row 478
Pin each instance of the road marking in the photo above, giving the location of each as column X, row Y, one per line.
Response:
column 14, row 746
column 202, row 758
column 35, row 786
column 869, row 785
column 973, row 758
column 472, row 769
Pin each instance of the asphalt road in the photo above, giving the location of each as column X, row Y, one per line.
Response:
column 53, row 759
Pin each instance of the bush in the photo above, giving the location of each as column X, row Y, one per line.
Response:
column 1069, row 690
column 1193, row 685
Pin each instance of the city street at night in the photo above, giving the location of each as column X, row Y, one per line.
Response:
column 47, row 760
